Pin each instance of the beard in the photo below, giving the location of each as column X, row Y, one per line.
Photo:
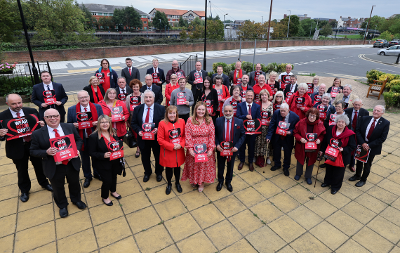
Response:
column 228, row 117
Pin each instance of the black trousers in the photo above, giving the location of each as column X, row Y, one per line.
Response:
column 58, row 181
column 184, row 117
column 146, row 154
column 229, row 167
column 85, row 157
column 309, row 169
column 366, row 166
column 109, row 178
column 251, row 144
column 334, row 176
column 176, row 171
column 24, row 181
column 287, row 145
column 352, row 161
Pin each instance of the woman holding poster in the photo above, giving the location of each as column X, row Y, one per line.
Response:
column 116, row 110
column 106, row 150
column 279, row 98
column 133, row 100
column 300, row 101
column 273, row 83
column 171, row 137
column 210, row 97
column 200, row 145
column 223, row 93
column 96, row 91
column 338, row 144
column 335, row 88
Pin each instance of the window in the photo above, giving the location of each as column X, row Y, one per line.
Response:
column 144, row 22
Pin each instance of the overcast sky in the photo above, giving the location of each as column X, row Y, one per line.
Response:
column 253, row 10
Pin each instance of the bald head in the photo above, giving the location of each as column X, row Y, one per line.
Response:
column 175, row 64
column 83, row 97
column 14, row 101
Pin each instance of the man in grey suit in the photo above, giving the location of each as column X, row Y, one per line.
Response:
column 130, row 72
column 254, row 75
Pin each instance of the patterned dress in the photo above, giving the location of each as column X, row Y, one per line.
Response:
column 202, row 171
column 262, row 146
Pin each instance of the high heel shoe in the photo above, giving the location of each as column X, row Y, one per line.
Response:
column 137, row 154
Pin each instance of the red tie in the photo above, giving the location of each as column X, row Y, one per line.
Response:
column 26, row 138
column 130, row 71
column 65, row 162
column 371, row 129
column 249, row 109
column 283, row 119
column 227, row 132
column 147, row 116
column 88, row 130
column 354, row 124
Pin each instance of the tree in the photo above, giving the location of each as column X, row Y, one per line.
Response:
column 215, row 29
column 279, row 30
column 375, row 23
column 333, row 23
column 10, row 21
column 248, row 30
column 127, row 17
column 107, row 23
column 308, row 27
column 294, row 24
column 326, row 30
column 160, row 21
column 183, row 22
column 88, row 17
column 322, row 23
column 183, row 35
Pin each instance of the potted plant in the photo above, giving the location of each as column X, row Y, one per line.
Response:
column 6, row 68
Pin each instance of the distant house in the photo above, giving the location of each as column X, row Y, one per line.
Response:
column 301, row 17
column 350, row 22
column 174, row 15
column 103, row 10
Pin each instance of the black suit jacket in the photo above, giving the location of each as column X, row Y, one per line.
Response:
column 238, row 132
column 128, row 91
column 378, row 136
column 157, row 91
column 137, row 120
column 361, row 113
column 40, row 143
column 91, row 95
column 276, row 117
column 37, row 98
column 287, row 89
column 97, row 149
column 160, row 73
column 15, row 148
column 191, row 79
column 135, row 74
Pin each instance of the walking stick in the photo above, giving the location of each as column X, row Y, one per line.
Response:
column 319, row 158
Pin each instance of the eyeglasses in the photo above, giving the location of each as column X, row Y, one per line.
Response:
column 52, row 116
column 278, row 96
column 312, row 116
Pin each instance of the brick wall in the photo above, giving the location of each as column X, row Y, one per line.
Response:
column 100, row 52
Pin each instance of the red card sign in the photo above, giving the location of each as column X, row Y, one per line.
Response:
column 85, row 120
column 175, row 136
column 227, row 147
column 198, row 78
column 335, row 143
column 317, row 98
column 156, row 77
column 134, row 101
column 252, row 126
column 288, row 96
column 311, row 146
column 122, row 96
column 334, row 91
column 116, row 114
column 220, row 94
column 265, row 118
column 66, row 147
column 181, row 100
column 200, row 153
column 361, row 154
column 282, row 128
column 277, row 107
column 20, row 127
column 116, row 149
column 300, row 102
column 332, row 118
column 148, row 133
column 310, row 88
column 285, row 80
column 210, row 108
column 49, row 97
column 331, row 153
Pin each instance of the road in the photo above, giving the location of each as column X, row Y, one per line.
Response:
column 342, row 62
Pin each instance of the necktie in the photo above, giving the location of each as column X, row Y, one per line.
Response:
column 130, row 71
column 147, row 116
column 48, row 87
column 237, row 74
column 65, row 162
column 354, row 124
column 371, row 129
column 344, row 99
column 149, row 88
column 249, row 109
column 227, row 132
column 123, row 91
column 26, row 138
column 283, row 119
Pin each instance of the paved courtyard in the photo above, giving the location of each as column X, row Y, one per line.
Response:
column 266, row 212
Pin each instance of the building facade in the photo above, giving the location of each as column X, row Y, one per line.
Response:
column 173, row 15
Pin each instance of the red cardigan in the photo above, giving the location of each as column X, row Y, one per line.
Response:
column 121, row 126
column 225, row 95
column 168, row 156
column 168, row 90
column 293, row 106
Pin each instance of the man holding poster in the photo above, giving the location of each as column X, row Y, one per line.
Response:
column 196, row 79
column 58, row 145
column 145, row 121
column 17, row 124
column 84, row 116
column 229, row 136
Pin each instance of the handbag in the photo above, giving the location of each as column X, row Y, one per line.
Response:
column 129, row 139
column 122, row 164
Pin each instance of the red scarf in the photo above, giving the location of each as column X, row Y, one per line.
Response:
column 94, row 117
column 234, row 75
column 343, row 136
column 96, row 101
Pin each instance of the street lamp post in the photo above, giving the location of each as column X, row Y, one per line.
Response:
column 269, row 24
column 369, row 21
column 287, row 35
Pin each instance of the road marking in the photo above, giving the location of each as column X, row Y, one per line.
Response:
column 89, row 70
column 363, row 57
column 347, row 76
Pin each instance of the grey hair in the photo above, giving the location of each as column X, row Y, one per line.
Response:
column 381, row 106
column 348, row 85
column 293, row 76
column 328, row 95
column 302, row 85
column 121, row 77
column 342, row 117
column 149, row 76
column 82, row 91
column 340, row 102
column 284, row 106
column 12, row 94
column 357, row 100
column 149, row 91
column 279, row 93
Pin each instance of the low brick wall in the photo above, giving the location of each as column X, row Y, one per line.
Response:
column 111, row 52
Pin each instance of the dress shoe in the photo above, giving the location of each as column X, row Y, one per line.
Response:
column 297, row 177
column 333, row 192
column 48, row 187
column 80, row 204
column 168, row 190
column 24, row 196
column 273, row 168
column 219, row 186
column 108, row 204
column 118, row 197
column 63, row 212
column 286, row 172
column 352, row 169
column 87, row 182
column 354, row 178
column 146, row 178
column 240, row 167
column 178, row 187
column 137, row 154
column 229, row 187
column 360, row 183
column 251, row 167
column 98, row 177
column 159, row 178
column 309, row 181
column 322, row 165
column 324, row 185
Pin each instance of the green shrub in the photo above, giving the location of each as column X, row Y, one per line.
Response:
column 395, row 88
column 247, row 66
column 270, row 67
column 224, row 66
column 21, row 85
column 391, row 99
column 373, row 74
column 391, row 84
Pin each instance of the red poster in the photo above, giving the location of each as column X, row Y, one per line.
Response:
column 181, row 99
column 210, row 108
column 66, row 147
column 148, row 131
column 49, row 97
column 311, row 146
column 282, row 128
column 285, row 80
column 117, row 114
column 362, row 155
column 334, row 91
column 116, row 149
column 198, row 78
column 85, row 120
column 156, row 78
column 252, row 126
column 134, row 101
column 20, row 127
column 265, row 118
column 310, row 88
column 175, row 136
column 200, row 152
column 227, row 147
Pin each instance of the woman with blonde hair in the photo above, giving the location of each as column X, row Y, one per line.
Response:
column 262, row 147
column 133, row 100
column 279, row 98
column 272, row 82
column 96, row 91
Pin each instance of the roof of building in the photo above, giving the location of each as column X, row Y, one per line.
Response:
column 200, row 13
column 108, row 8
column 175, row 12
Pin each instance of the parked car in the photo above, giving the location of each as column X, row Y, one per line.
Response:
column 381, row 43
column 394, row 42
column 393, row 50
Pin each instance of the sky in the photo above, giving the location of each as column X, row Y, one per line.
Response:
column 259, row 10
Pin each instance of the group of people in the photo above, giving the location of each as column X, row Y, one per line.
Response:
column 230, row 113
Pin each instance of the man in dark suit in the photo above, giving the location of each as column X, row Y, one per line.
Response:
column 57, row 172
column 371, row 132
column 196, row 78
column 154, row 88
column 130, row 72
column 248, row 110
column 38, row 95
column 292, row 87
column 149, row 112
column 123, row 90
column 279, row 141
column 85, row 106
column 158, row 79
column 228, row 129
column 254, row 75
column 225, row 78
column 18, row 149
column 355, row 113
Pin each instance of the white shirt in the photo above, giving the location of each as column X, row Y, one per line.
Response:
column 145, row 113
column 293, row 87
column 83, row 108
column 14, row 114
column 369, row 126
column 155, row 70
column 347, row 98
column 149, row 88
column 52, row 134
column 124, row 90
column 50, row 86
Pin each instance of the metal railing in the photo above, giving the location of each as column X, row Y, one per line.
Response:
column 189, row 64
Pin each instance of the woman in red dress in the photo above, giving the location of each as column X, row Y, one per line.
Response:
column 300, row 101
column 171, row 87
column 199, row 130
